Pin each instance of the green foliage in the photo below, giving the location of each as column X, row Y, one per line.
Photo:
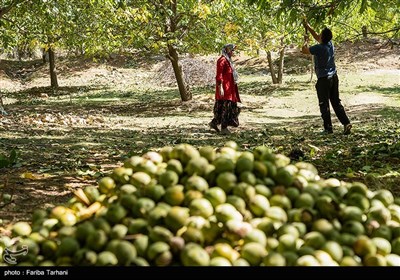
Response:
column 345, row 17
column 104, row 26
column 83, row 26
column 190, row 26
column 10, row 160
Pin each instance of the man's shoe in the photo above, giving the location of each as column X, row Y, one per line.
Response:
column 347, row 129
column 214, row 126
column 225, row 131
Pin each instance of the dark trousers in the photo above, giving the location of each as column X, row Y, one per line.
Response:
column 328, row 91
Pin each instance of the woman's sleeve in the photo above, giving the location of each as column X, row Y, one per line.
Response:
column 220, row 67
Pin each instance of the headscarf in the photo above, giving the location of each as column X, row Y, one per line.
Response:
column 225, row 50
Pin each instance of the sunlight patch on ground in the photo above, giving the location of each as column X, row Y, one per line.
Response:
column 384, row 72
column 369, row 98
column 139, row 123
column 8, row 100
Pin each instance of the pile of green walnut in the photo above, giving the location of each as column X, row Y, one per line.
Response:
column 185, row 206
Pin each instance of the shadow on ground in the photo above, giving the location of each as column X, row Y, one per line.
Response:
column 62, row 158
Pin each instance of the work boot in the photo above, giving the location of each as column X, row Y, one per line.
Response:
column 347, row 129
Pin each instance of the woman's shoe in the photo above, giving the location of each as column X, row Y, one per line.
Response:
column 214, row 126
column 225, row 131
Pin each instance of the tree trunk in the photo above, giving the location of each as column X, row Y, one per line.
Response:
column 2, row 111
column 364, row 31
column 53, row 73
column 281, row 64
column 184, row 91
column 45, row 56
column 271, row 68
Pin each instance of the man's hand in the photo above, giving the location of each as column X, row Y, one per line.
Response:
column 307, row 26
column 221, row 90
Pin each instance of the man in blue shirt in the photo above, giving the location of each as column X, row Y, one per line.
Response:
column 327, row 85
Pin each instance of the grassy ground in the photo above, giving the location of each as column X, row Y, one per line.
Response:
column 104, row 113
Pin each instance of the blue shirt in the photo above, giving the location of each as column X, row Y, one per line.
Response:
column 324, row 59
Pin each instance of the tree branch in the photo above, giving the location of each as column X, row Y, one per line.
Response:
column 384, row 32
column 6, row 9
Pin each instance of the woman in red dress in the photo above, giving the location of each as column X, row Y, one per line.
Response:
column 226, row 111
